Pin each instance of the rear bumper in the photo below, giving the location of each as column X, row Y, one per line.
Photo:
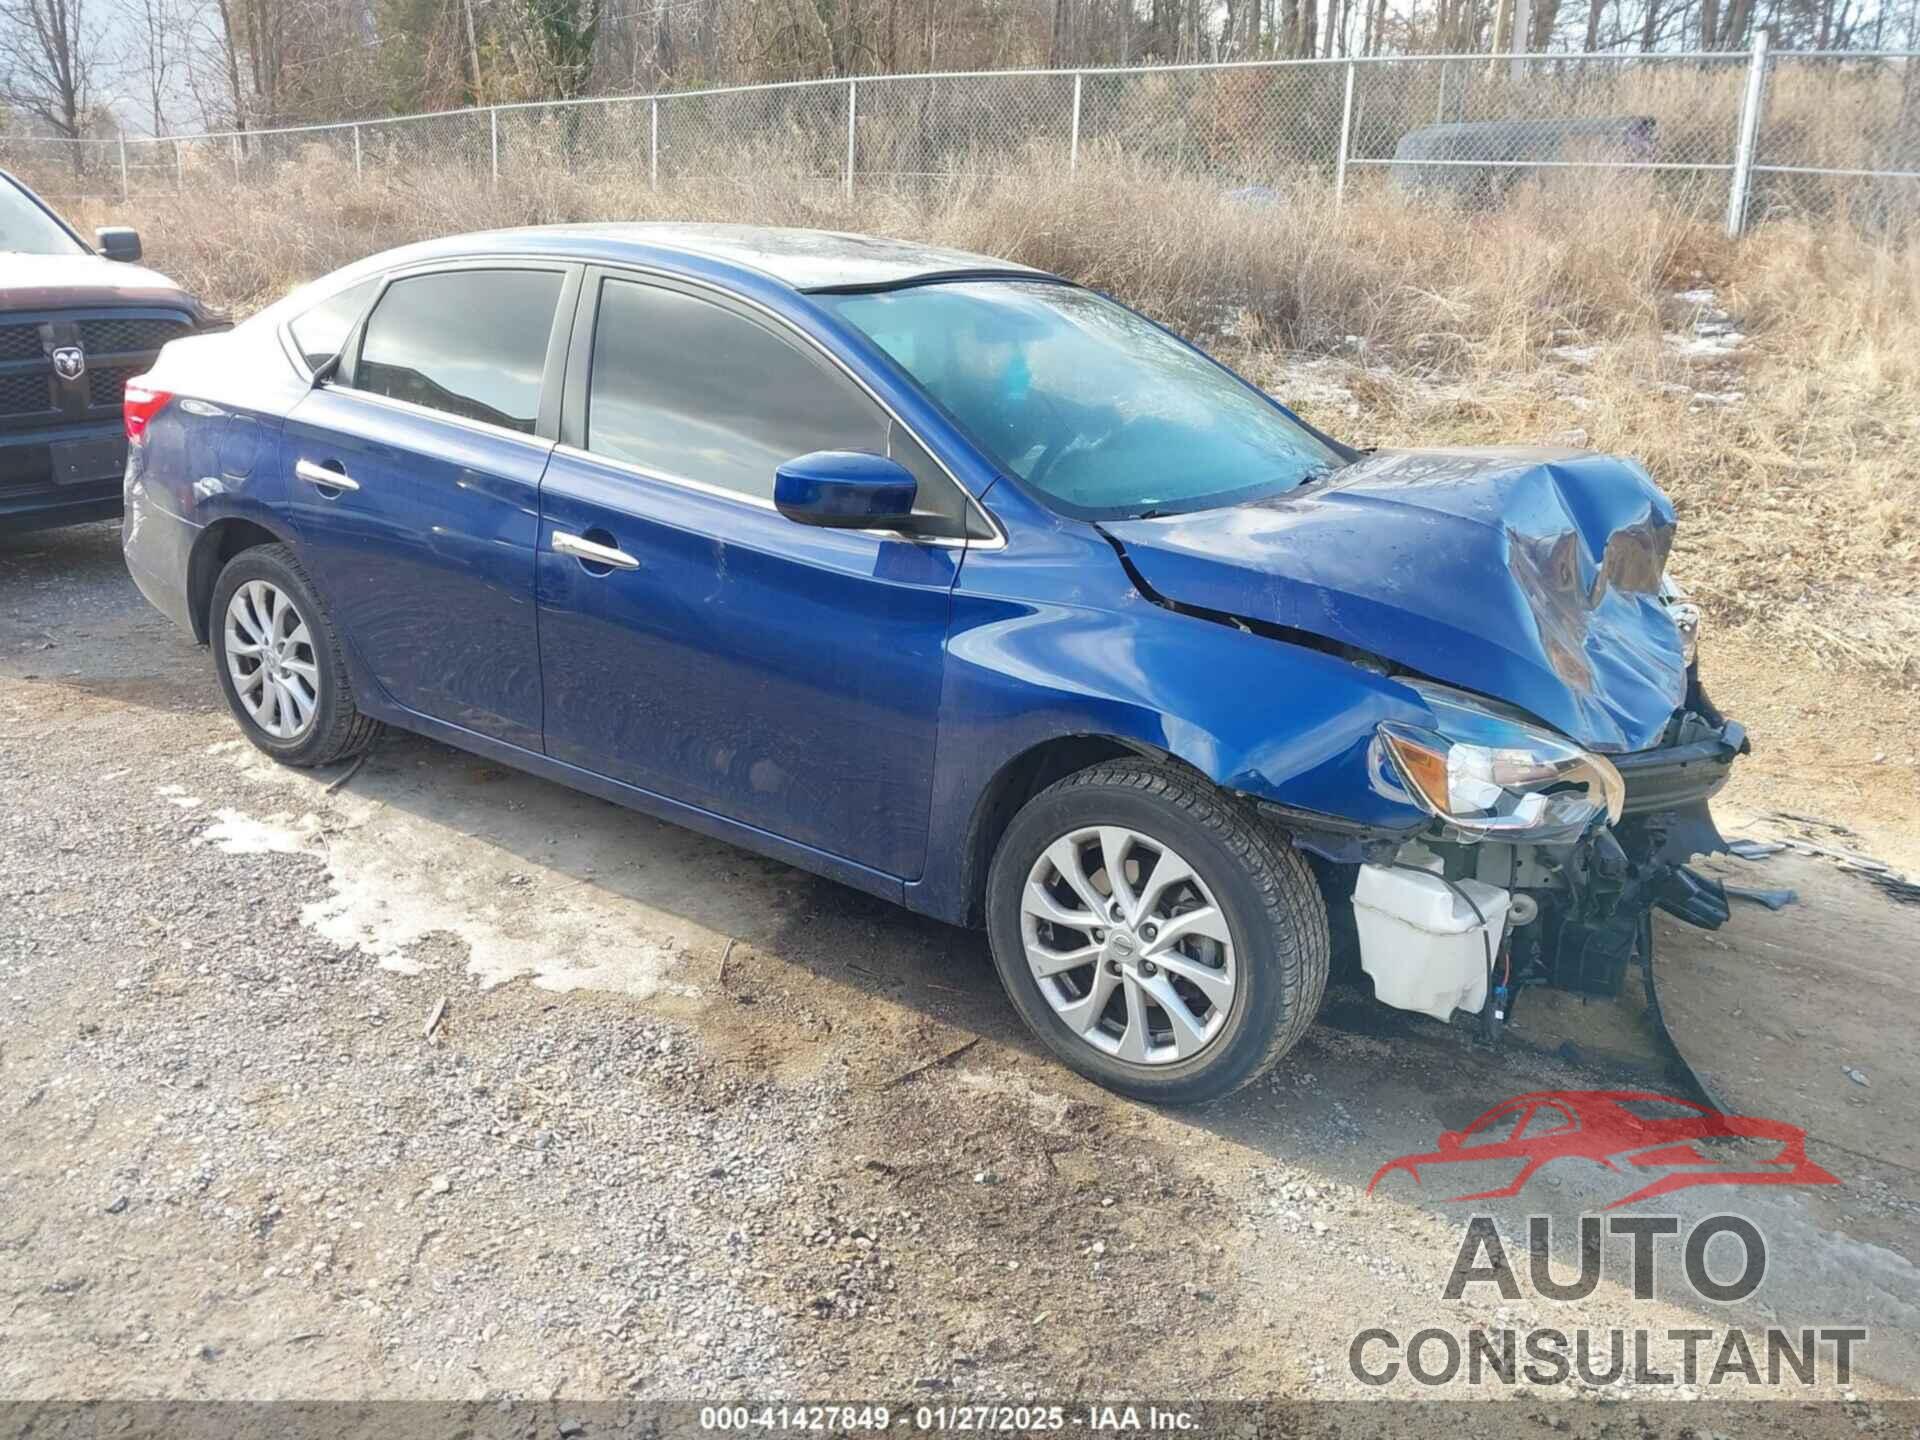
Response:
column 158, row 546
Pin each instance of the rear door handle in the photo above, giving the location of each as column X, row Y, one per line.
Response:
column 321, row 475
column 592, row 553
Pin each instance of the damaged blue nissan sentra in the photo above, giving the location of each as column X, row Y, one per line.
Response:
column 962, row 585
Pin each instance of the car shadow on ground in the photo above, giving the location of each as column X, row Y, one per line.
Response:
column 71, row 616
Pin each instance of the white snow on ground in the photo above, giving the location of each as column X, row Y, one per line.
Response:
column 234, row 833
column 401, row 878
column 1716, row 346
column 1711, row 336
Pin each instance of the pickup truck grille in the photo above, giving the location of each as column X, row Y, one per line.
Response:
column 26, row 394
column 117, row 347
column 20, row 342
column 108, row 386
column 118, row 337
column 61, row 442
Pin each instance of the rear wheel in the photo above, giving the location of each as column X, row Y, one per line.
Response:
column 1154, row 934
column 279, row 661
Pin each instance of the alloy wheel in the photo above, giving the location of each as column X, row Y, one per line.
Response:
column 271, row 661
column 1128, row 945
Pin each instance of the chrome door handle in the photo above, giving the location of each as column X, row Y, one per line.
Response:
column 565, row 544
column 321, row 475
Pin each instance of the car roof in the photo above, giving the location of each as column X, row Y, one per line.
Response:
column 807, row 260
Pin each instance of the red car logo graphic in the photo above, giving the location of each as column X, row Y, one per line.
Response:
column 1618, row 1128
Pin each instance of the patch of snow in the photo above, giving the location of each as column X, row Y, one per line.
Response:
column 1576, row 354
column 177, row 795
column 400, row 874
column 1704, row 347
column 235, row 833
column 1700, row 295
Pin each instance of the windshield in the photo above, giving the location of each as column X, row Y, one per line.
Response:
column 1103, row 413
column 27, row 229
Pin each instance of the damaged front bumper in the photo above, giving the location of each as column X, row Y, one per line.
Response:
column 1441, row 924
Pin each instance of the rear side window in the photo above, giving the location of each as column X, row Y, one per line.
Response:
column 321, row 331
column 691, row 390
column 470, row 342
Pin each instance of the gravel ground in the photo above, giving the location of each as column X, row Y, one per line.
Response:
column 690, row 1123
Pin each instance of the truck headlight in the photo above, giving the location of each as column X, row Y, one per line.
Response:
column 1488, row 774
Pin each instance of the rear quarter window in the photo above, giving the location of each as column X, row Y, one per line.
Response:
column 319, row 333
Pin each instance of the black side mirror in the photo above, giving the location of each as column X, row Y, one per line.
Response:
column 118, row 242
column 845, row 490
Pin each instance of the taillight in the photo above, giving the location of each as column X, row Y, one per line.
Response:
column 139, row 407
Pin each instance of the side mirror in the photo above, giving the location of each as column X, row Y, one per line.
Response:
column 118, row 242
column 845, row 490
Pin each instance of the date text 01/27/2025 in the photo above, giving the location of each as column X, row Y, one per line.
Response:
column 987, row 1419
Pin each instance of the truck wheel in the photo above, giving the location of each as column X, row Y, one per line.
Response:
column 279, row 661
column 1154, row 934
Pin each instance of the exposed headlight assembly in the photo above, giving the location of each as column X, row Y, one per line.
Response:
column 1489, row 775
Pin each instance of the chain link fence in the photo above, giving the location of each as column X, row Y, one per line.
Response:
column 1746, row 135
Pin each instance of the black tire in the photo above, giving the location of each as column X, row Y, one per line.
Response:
column 338, row 730
column 1273, row 910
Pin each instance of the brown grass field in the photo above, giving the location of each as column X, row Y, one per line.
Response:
column 1560, row 316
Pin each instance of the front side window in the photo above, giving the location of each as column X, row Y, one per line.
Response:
column 26, row 229
column 321, row 331
column 1103, row 413
column 692, row 390
column 470, row 342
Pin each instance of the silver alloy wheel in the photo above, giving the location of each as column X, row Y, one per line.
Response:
column 1127, row 945
column 270, row 659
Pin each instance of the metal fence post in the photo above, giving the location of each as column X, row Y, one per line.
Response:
column 356, row 152
column 653, row 142
column 493, row 139
column 1073, row 145
column 853, row 101
column 1346, row 134
column 179, row 168
column 125, row 193
column 238, row 167
column 1749, row 135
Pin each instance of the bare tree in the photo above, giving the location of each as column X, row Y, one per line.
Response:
column 52, row 55
column 154, row 52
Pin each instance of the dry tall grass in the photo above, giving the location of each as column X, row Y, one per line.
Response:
column 1790, row 459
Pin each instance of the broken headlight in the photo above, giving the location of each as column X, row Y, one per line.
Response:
column 1488, row 774
column 1686, row 616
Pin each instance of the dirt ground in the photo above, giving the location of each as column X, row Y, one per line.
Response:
column 695, row 1124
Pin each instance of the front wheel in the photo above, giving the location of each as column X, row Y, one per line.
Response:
column 1154, row 934
column 280, row 663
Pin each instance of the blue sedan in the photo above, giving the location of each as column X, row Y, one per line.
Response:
column 966, row 586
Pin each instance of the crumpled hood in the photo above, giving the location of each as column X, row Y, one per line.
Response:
column 1531, row 576
column 57, row 282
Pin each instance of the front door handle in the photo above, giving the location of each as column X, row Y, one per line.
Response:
column 323, row 476
column 594, row 554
